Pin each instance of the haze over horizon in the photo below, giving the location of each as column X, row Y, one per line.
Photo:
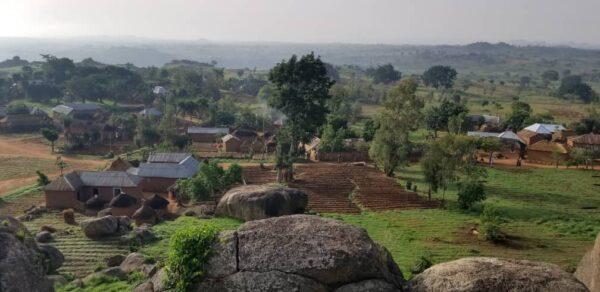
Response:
column 308, row 21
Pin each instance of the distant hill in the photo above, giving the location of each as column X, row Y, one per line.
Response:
column 477, row 57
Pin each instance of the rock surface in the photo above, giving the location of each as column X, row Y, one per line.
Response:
column 297, row 251
column 53, row 255
column 493, row 274
column 43, row 236
column 368, row 286
column 22, row 266
column 135, row 262
column 105, row 226
column 253, row 202
column 114, row 272
column 588, row 271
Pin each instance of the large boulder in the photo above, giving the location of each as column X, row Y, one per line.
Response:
column 298, row 251
column 588, row 271
column 253, row 202
column 494, row 274
column 22, row 266
column 55, row 258
column 99, row 227
column 105, row 226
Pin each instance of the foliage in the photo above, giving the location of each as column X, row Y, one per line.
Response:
column 550, row 75
column 210, row 180
column 51, row 135
column 332, row 140
column 17, row 108
column 302, row 90
column 391, row 147
column 491, row 221
column 97, row 284
column 369, row 129
column 521, row 112
column 384, row 74
column 190, row 249
column 422, row 264
column 438, row 117
column 573, row 84
column 439, row 76
column 146, row 133
column 42, row 179
column 470, row 191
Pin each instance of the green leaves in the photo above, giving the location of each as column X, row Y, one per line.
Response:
column 190, row 249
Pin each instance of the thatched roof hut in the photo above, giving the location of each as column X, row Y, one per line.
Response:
column 157, row 202
column 123, row 201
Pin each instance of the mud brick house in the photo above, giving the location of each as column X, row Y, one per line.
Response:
column 546, row 152
column 355, row 150
column 162, row 170
column 206, row 135
column 80, row 111
column 244, row 141
column 75, row 188
column 588, row 141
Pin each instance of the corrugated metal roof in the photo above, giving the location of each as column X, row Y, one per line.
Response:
column 108, row 179
column 163, row 170
column 150, row 112
column 205, row 130
column 67, row 108
column 167, row 157
column 229, row 137
column 545, row 128
column 482, row 134
column 590, row 139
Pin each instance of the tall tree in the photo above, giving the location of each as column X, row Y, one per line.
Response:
column 302, row 90
column 439, row 77
column 51, row 135
column 391, row 146
column 385, row 74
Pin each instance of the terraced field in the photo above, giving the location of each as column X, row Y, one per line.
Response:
column 82, row 255
column 343, row 188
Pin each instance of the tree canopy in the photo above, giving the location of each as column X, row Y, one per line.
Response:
column 440, row 77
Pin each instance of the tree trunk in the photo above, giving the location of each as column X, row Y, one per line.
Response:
column 491, row 158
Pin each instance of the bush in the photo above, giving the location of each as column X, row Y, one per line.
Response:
column 42, row 179
column 470, row 192
column 210, row 180
column 491, row 221
column 189, row 251
column 409, row 185
column 422, row 264
column 234, row 174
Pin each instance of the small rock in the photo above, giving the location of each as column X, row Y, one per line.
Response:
column 132, row 262
column 104, row 212
column 43, row 237
column 159, row 279
column 142, row 235
column 368, row 286
column 189, row 213
column 144, row 287
column 77, row 283
column 115, row 260
column 54, row 256
column 100, row 227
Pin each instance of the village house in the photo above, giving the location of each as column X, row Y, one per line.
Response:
column 206, row 134
column 13, row 123
column 484, row 122
column 512, row 144
column 243, row 141
column 74, row 189
column 589, row 141
column 162, row 170
column 547, row 152
column 81, row 111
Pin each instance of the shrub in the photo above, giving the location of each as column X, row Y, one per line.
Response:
column 189, row 251
column 233, row 174
column 422, row 264
column 42, row 179
column 210, row 180
column 409, row 185
column 491, row 221
column 470, row 192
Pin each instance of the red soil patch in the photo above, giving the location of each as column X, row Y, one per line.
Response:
column 330, row 186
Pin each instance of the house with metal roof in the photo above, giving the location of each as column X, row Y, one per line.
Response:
column 73, row 189
column 588, row 141
column 150, row 112
column 206, row 134
column 77, row 110
column 545, row 128
column 162, row 170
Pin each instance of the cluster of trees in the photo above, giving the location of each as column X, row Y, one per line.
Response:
column 209, row 181
column 573, row 85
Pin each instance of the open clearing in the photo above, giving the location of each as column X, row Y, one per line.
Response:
column 22, row 155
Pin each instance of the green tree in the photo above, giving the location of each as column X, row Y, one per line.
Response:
column 470, row 191
column 57, row 70
column 42, row 179
column 51, row 135
column 439, row 77
column 369, row 129
column 521, row 112
column 438, row 117
column 17, row 108
column 490, row 145
column 550, row 75
column 574, row 85
column 302, row 90
column 385, row 74
column 391, row 146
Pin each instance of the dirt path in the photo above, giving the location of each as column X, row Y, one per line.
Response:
column 34, row 147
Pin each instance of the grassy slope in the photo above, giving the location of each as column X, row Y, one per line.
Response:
column 543, row 209
column 19, row 166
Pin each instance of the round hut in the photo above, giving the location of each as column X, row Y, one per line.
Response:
column 123, row 205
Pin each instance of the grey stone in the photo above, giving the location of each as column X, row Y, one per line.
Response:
column 100, row 227
column 224, row 261
column 271, row 281
column 494, row 274
column 43, row 237
column 588, row 270
column 144, row 287
column 133, row 262
column 54, row 256
column 369, row 286
column 253, row 202
column 113, row 272
column 115, row 260
column 159, row 280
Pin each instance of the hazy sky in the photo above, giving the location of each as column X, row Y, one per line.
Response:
column 355, row 21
